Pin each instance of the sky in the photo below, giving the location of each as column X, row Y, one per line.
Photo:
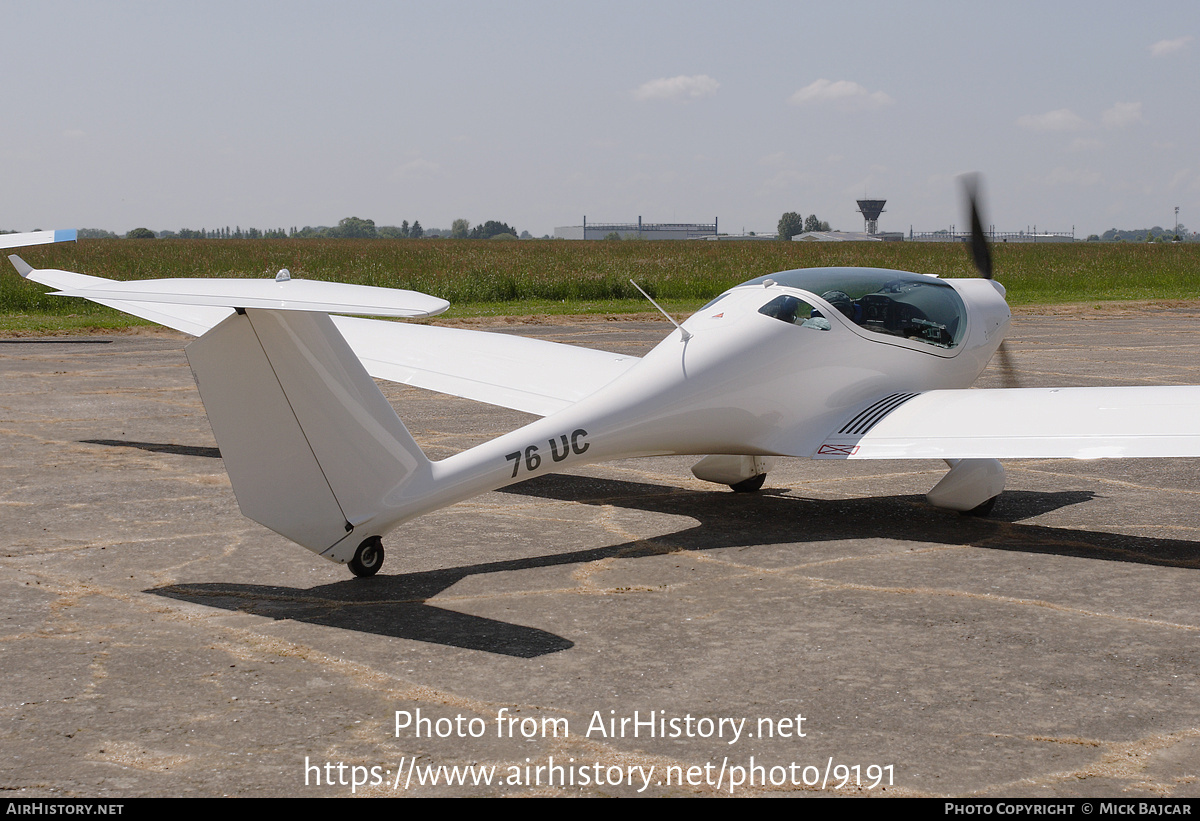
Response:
column 1080, row 116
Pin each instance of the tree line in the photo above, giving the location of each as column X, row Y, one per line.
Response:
column 1156, row 234
column 348, row 228
column 792, row 223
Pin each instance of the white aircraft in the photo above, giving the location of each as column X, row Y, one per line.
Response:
column 36, row 238
column 829, row 363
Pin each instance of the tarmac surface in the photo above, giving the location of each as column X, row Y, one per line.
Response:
column 154, row 642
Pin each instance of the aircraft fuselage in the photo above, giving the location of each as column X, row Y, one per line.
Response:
column 744, row 382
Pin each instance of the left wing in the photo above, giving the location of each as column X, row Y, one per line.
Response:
column 517, row 372
column 36, row 238
column 1023, row 423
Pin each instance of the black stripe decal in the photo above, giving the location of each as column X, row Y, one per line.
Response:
column 869, row 417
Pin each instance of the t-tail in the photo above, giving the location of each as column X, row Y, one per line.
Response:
column 312, row 447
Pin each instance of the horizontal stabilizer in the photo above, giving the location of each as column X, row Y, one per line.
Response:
column 531, row 375
column 288, row 295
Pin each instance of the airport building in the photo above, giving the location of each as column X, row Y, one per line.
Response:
column 842, row 236
column 637, row 230
column 871, row 209
column 953, row 235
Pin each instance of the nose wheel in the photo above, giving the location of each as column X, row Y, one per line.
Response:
column 368, row 558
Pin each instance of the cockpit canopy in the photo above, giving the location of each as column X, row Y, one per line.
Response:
column 894, row 303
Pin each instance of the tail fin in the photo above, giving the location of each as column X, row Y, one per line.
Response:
column 312, row 447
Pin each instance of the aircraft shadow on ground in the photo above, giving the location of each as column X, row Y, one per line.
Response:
column 158, row 447
column 54, row 341
column 397, row 605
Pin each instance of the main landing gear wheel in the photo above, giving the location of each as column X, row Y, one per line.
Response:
column 750, row 485
column 368, row 558
column 984, row 509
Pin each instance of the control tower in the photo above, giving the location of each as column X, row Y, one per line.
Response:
column 871, row 209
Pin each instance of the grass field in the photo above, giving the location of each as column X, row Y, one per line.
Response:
column 533, row 276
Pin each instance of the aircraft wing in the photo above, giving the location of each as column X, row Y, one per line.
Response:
column 514, row 372
column 1023, row 423
column 36, row 238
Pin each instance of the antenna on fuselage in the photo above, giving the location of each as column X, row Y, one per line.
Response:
column 683, row 331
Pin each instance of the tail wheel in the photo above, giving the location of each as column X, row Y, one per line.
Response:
column 368, row 558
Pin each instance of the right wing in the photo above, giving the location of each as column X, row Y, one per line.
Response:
column 514, row 372
column 1023, row 423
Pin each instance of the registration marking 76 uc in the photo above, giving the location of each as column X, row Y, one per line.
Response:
column 561, row 447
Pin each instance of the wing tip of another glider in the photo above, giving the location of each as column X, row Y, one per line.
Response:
column 20, row 240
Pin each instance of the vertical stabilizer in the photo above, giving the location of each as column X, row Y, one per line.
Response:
column 311, row 445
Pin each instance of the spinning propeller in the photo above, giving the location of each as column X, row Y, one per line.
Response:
column 981, row 255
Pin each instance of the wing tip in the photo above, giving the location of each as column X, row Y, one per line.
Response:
column 23, row 267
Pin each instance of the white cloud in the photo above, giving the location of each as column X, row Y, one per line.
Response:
column 416, row 168
column 1072, row 176
column 1122, row 114
column 866, row 185
column 1064, row 119
column 941, row 182
column 1179, row 179
column 682, row 87
column 786, row 172
column 1086, row 144
column 1164, row 47
column 845, row 93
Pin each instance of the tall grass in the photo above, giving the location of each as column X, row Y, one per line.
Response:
column 517, row 276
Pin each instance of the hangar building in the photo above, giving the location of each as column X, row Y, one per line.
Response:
column 637, row 230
